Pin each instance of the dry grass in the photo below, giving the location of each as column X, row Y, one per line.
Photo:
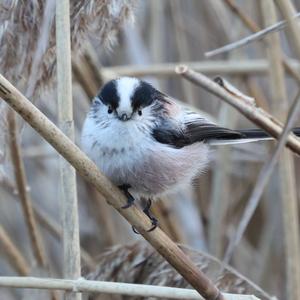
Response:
column 28, row 57
column 164, row 32
column 138, row 263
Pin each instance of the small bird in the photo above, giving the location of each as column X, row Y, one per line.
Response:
column 147, row 144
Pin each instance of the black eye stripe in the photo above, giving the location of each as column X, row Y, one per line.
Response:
column 109, row 96
column 143, row 96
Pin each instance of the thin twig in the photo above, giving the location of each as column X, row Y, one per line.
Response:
column 289, row 189
column 21, row 181
column 103, row 216
column 253, row 37
column 244, row 18
column 220, row 188
column 72, row 268
column 83, row 75
column 53, row 228
column 288, row 9
column 15, row 256
column 263, row 179
column 165, row 214
column 251, row 25
column 118, row 288
column 285, row 179
column 258, row 116
column 182, row 45
column 91, row 59
column 228, row 67
column 88, row 170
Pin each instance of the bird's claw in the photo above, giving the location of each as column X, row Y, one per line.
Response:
column 130, row 198
column 134, row 230
column 154, row 223
column 146, row 210
column 129, row 203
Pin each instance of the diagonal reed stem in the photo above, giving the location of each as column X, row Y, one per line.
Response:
column 15, row 256
column 88, row 170
column 21, row 181
column 255, row 114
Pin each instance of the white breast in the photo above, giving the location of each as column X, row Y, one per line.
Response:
column 129, row 156
column 116, row 149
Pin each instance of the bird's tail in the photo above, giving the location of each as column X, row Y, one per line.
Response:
column 247, row 136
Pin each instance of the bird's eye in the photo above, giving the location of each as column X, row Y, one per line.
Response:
column 140, row 112
column 109, row 110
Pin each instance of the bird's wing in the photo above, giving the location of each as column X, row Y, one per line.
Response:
column 186, row 128
column 201, row 129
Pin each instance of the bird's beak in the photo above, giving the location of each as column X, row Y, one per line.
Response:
column 123, row 117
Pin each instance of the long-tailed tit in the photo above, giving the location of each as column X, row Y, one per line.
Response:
column 147, row 144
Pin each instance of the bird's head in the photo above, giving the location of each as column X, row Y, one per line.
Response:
column 128, row 99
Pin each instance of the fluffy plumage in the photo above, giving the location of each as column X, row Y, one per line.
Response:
column 140, row 137
column 129, row 152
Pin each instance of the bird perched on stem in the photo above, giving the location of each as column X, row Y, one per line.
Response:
column 147, row 144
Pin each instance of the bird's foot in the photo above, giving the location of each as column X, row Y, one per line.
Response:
column 153, row 220
column 130, row 199
column 154, row 223
column 147, row 212
column 134, row 230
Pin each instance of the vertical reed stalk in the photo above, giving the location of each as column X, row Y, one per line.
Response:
column 220, row 189
column 72, row 268
column 181, row 45
column 286, row 176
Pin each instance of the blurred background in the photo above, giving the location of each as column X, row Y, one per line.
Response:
column 163, row 34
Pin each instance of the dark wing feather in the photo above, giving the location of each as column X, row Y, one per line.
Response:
column 259, row 133
column 254, row 133
column 167, row 134
column 296, row 131
column 192, row 132
column 199, row 131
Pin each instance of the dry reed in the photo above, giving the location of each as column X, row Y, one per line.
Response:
column 138, row 263
column 68, row 194
column 150, row 50
column 27, row 35
column 90, row 172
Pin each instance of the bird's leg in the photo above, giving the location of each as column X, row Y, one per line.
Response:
column 147, row 212
column 130, row 199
